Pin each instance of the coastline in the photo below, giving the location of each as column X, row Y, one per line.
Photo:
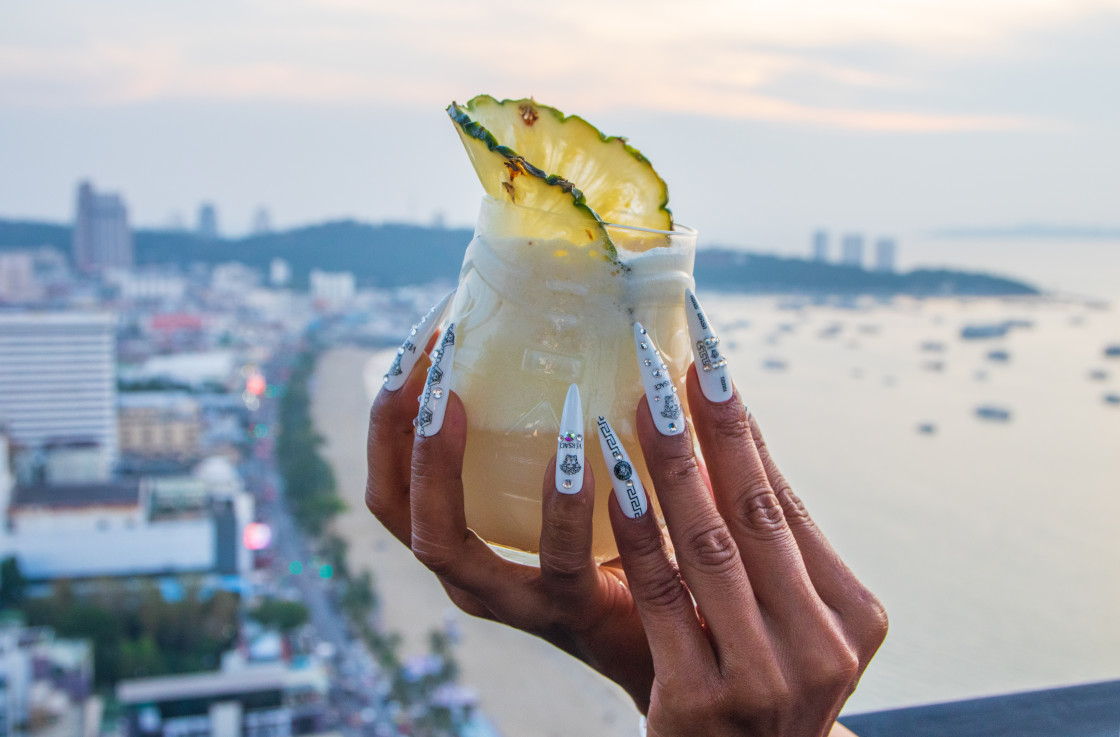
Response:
column 526, row 687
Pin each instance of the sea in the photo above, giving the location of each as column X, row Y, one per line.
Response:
column 973, row 483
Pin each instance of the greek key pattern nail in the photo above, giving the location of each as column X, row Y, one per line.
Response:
column 627, row 486
column 418, row 337
column 433, row 401
column 711, row 365
column 664, row 404
column 569, row 445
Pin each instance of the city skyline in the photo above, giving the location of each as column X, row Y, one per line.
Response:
column 902, row 117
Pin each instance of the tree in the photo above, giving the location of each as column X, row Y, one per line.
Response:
column 12, row 583
column 282, row 615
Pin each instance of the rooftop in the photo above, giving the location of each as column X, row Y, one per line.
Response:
column 125, row 492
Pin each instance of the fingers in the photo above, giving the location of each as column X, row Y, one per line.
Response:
column 747, row 501
column 568, row 572
column 440, row 537
column 389, row 440
column 835, row 583
column 706, row 552
column 389, row 453
column 659, row 592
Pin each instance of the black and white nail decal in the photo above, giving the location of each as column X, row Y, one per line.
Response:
column 437, row 389
column 569, row 445
column 624, row 478
column 414, row 344
column 664, row 404
column 711, row 365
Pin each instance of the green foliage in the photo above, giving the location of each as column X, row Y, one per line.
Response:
column 308, row 479
column 282, row 615
column 12, row 583
column 135, row 632
column 359, row 601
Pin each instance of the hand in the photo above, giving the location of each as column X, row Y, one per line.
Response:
column 414, row 489
column 781, row 630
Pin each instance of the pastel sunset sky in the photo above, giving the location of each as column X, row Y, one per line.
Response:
column 766, row 118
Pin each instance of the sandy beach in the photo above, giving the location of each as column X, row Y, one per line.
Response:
column 526, row 687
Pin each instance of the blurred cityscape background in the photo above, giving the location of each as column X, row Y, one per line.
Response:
column 910, row 242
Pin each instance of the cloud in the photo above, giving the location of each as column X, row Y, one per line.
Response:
column 712, row 57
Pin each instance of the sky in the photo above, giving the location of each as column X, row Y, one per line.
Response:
column 766, row 118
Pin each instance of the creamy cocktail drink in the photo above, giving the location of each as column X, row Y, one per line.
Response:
column 548, row 295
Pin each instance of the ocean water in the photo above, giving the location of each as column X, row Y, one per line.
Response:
column 995, row 545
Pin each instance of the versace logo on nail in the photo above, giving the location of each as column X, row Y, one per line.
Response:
column 570, row 466
column 623, row 471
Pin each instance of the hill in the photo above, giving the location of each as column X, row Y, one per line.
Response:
column 391, row 255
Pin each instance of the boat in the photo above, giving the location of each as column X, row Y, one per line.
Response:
column 991, row 412
column 1000, row 356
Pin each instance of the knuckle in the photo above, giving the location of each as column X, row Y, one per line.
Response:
column 729, row 419
column 375, row 502
column 759, row 513
column 712, row 545
column 435, row 556
column 836, row 666
column 792, row 507
column 877, row 621
column 679, row 465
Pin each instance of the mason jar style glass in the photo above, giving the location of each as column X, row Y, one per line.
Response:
column 532, row 315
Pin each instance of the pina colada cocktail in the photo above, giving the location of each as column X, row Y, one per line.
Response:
column 548, row 295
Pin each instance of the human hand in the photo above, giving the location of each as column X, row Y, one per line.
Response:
column 414, row 489
column 755, row 625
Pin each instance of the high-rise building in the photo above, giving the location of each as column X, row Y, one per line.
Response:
column 852, row 250
column 820, row 245
column 102, row 237
column 884, row 255
column 207, row 220
column 262, row 222
column 58, row 380
column 279, row 272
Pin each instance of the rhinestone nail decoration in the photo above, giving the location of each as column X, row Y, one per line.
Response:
column 417, row 339
column 429, row 420
column 627, row 485
column 569, row 445
column 711, row 365
column 664, row 405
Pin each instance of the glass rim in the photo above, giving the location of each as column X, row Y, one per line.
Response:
column 678, row 229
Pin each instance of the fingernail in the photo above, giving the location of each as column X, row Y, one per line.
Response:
column 627, row 486
column 569, row 446
column 711, row 366
column 418, row 337
column 664, row 404
column 433, row 402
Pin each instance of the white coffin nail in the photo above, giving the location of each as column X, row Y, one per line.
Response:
column 414, row 344
column 711, row 366
column 569, row 445
column 664, row 404
column 624, row 478
column 437, row 389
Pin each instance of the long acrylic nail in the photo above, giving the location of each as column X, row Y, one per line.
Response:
column 627, row 486
column 711, row 366
column 413, row 345
column 437, row 389
column 569, row 445
column 664, row 404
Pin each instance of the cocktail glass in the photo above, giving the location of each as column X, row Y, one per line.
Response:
column 532, row 315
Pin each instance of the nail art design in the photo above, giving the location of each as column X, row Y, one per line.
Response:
column 627, row 486
column 433, row 402
column 418, row 337
column 664, row 404
column 711, row 366
column 569, row 445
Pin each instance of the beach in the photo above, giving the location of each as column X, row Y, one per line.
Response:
column 526, row 687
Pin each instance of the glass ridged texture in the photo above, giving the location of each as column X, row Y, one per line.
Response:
column 534, row 314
